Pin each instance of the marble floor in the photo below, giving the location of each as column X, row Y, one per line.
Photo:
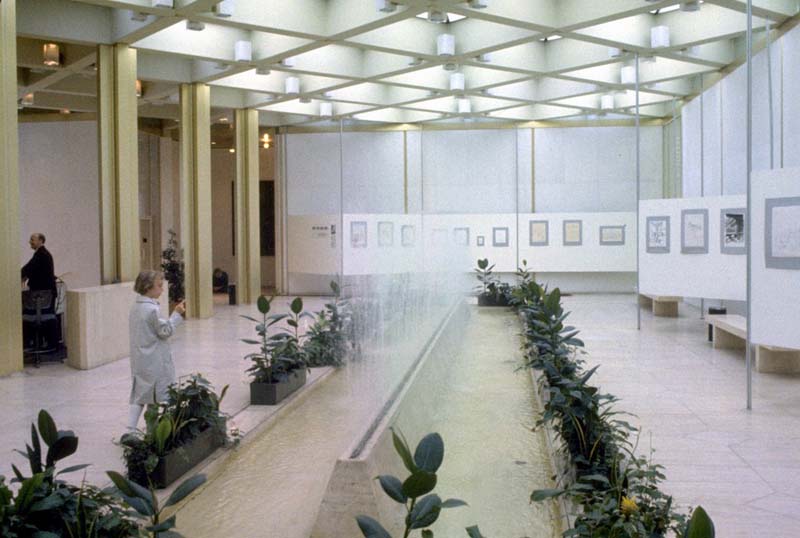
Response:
column 690, row 401
column 742, row 466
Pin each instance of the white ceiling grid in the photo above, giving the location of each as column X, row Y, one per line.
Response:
column 522, row 60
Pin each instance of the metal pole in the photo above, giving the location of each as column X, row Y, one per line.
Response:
column 516, row 188
column 769, row 89
column 748, row 220
column 638, row 197
column 341, row 204
column 702, row 161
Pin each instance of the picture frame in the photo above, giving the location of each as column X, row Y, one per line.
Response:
column 538, row 233
column 694, row 231
column 481, row 241
column 572, row 233
column 782, row 233
column 385, row 233
column 657, row 240
column 407, row 235
column 500, row 236
column 358, row 234
column 732, row 230
column 461, row 236
column 612, row 235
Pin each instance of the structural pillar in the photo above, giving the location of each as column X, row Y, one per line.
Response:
column 118, row 145
column 10, row 243
column 247, row 222
column 195, row 198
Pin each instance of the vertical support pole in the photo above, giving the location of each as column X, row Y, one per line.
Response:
column 195, row 153
column 516, row 190
column 638, row 197
column 702, row 160
column 769, row 91
column 118, row 149
column 748, row 220
column 281, row 269
column 341, row 200
column 248, row 252
column 10, row 302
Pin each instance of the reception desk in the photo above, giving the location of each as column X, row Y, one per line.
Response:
column 97, row 323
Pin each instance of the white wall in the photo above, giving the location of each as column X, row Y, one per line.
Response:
column 59, row 196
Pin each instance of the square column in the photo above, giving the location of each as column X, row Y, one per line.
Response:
column 10, row 283
column 117, row 126
column 247, row 223
column 195, row 198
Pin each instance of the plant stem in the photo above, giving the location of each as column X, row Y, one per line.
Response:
column 408, row 528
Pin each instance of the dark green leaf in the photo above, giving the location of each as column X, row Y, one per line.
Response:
column 426, row 512
column 473, row 532
column 65, row 446
column 543, row 494
column 393, row 488
column 402, row 449
column 427, row 533
column 700, row 526
column 163, row 526
column 47, row 428
column 185, row 489
column 128, row 487
column 27, row 491
column 251, row 318
column 419, row 484
column 44, row 534
column 74, row 468
column 251, row 341
column 429, row 453
column 263, row 304
column 453, row 503
column 297, row 305
column 371, row 528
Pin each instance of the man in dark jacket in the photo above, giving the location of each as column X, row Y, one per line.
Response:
column 40, row 272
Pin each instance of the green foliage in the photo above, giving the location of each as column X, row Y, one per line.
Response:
column 327, row 341
column 700, row 525
column 423, row 507
column 192, row 407
column 172, row 266
column 45, row 506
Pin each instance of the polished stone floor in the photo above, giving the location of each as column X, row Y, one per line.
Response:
column 690, row 400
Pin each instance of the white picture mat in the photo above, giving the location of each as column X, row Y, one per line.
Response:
column 775, row 292
column 713, row 275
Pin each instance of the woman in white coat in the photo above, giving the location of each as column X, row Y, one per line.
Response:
column 151, row 361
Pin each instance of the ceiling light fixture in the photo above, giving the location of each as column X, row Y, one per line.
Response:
column 457, row 82
column 263, row 71
column 691, row 5
column 553, row 37
column 65, row 111
column 292, row 85
column 27, row 99
column 437, row 17
column 440, row 17
column 220, row 66
column 305, row 100
column 52, row 56
column 614, row 52
column 414, row 61
column 478, row 4
column 326, row 109
column 224, row 9
column 667, row 9
column 223, row 119
column 485, row 58
column 464, row 106
column 385, row 6
column 607, row 102
column 659, row 37
column 445, row 45
column 232, row 150
column 138, row 88
column 162, row 3
column 627, row 75
column 243, row 51
column 291, row 61
column 449, row 66
column 195, row 26
column 138, row 16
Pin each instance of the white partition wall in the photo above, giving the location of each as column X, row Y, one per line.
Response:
column 672, row 271
column 776, row 258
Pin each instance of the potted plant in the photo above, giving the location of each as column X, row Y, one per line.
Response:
column 326, row 342
column 279, row 367
column 179, row 434
column 491, row 292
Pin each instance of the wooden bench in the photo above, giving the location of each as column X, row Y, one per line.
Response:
column 662, row 305
column 730, row 332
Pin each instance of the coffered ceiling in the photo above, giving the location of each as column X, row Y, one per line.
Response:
column 378, row 61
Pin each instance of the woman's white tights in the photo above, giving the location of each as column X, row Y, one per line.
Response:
column 133, row 416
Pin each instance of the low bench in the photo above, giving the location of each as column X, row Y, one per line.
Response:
column 662, row 305
column 730, row 332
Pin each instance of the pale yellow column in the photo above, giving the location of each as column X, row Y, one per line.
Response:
column 10, row 288
column 248, row 231
column 117, row 122
column 196, row 198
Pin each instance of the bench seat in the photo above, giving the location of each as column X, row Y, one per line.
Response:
column 730, row 332
column 663, row 305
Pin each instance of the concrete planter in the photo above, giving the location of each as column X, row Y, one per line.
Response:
column 175, row 464
column 273, row 393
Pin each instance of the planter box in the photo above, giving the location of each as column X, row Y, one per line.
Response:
column 273, row 393
column 490, row 300
column 175, row 464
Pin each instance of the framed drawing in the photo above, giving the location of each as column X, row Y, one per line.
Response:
column 385, row 233
column 407, row 235
column 573, row 233
column 500, row 237
column 612, row 235
column 481, row 241
column 358, row 234
column 694, row 231
column 538, row 233
column 732, row 230
column 657, row 239
column 461, row 236
column 782, row 232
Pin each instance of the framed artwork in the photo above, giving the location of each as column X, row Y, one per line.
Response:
column 782, row 232
column 385, row 233
column 732, row 231
column 612, row 235
column 500, row 237
column 358, row 234
column 461, row 236
column 407, row 235
column 481, row 241
column 538, row 233
column 573, row 233
column 657, row 239
column 694, row 231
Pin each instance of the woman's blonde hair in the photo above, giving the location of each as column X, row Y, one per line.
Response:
column 146, row 281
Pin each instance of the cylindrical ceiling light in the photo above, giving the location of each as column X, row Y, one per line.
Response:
column 52, row 56
column 614, row 52
column 162, row 3
column 292, row 85
column 659, row 37
column 437, row 17
column 464, row 106
column 326, row 109
column 446, row 45
column 485, row 58
column 627, row 75
column 690, row 5
column 262, row 71
column 457, row 81
column 478, row 4
column 607, row 102
column 385, row 6
column 291, row 61
column 243, row 51
column 27, row 99
column 138, row 88
column 196, row 26
column 224, row 9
